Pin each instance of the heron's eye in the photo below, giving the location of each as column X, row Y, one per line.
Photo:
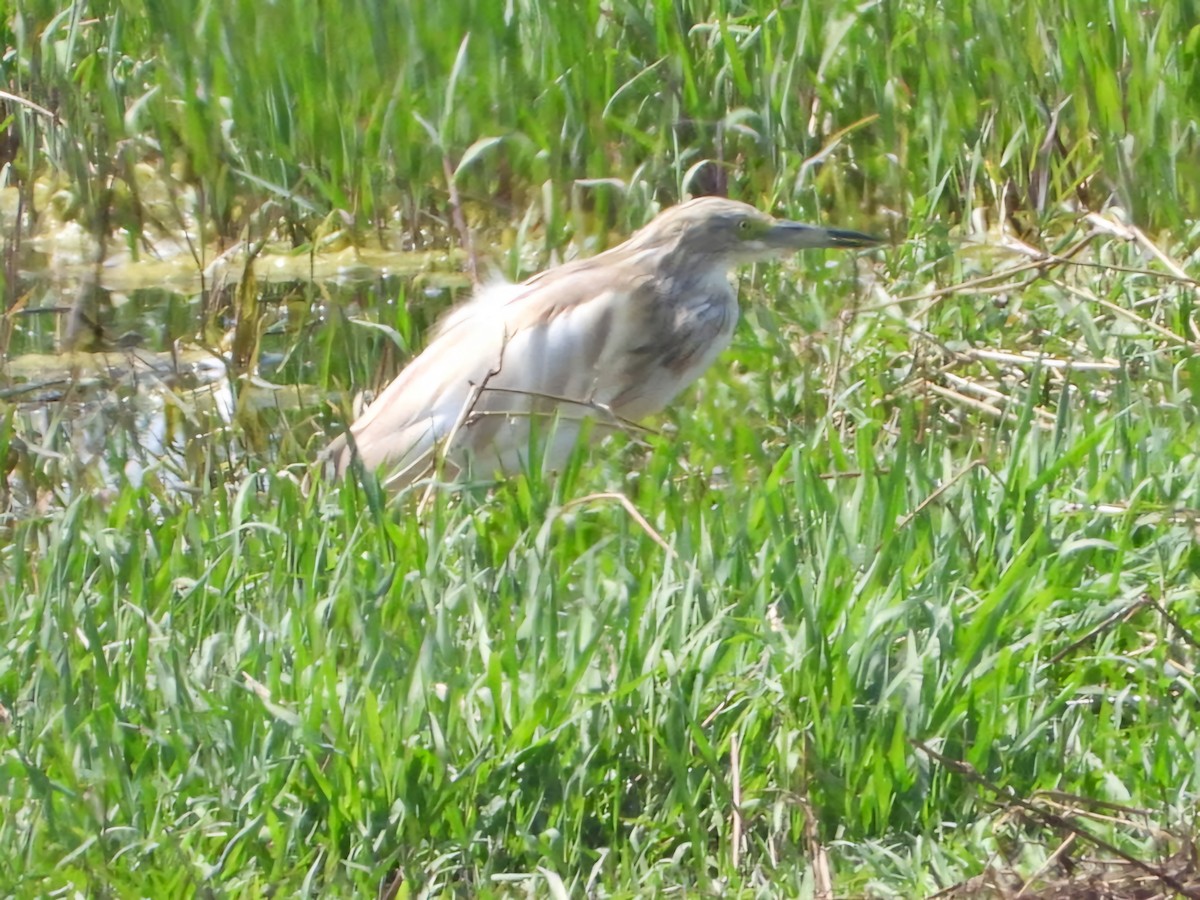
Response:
column 744, row 225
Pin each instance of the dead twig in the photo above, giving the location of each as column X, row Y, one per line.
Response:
column 735, row 824
column 1051, row 860
column 818, row 856
column 977, row 284
column 1055, row 821
column 30, row 105
column 1121, row 615
column 460, row 223
column 447, row 444
column 634, row 514
column 602, row 409
column 1184, row 634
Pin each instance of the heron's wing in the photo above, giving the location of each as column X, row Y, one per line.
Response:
column 513, row 351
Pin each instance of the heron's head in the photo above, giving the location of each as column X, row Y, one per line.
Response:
column 714, row 230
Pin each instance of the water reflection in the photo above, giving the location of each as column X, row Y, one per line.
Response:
column 101, row 385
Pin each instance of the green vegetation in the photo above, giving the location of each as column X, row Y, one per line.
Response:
column 904, row 592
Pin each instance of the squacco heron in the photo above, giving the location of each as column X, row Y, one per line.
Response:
column 613, row 339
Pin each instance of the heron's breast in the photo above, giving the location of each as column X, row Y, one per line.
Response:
column 679, row 340
column 690, row 334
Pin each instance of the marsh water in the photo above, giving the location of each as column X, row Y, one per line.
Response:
column 163, row 371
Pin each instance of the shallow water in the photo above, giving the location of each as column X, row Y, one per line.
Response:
column 146, row 372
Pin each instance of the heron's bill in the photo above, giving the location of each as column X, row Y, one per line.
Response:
column 799, row 236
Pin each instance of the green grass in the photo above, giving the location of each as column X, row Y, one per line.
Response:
column 887, row 530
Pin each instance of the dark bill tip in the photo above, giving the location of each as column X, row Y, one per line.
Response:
column 840, row 237
column 798, row 236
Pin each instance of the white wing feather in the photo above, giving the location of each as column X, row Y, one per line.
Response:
column 517, row 357
column 493, row 369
